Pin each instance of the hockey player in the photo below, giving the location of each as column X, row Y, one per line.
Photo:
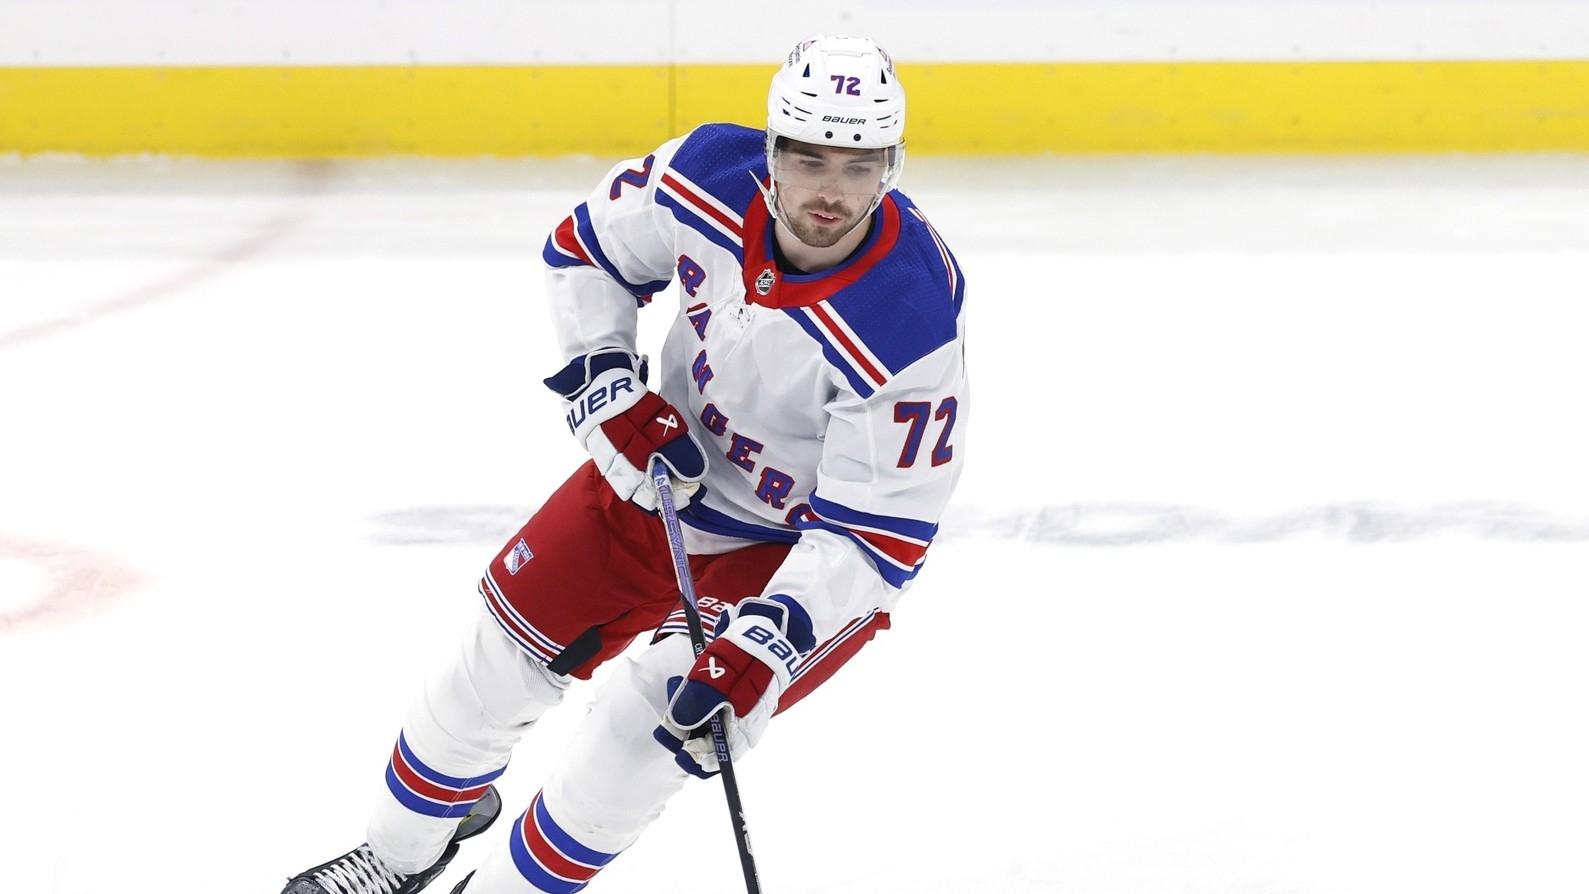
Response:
column 811, row 408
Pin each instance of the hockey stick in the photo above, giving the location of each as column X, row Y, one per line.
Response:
column 692, row 615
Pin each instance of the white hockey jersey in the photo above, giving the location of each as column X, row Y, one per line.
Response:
column 832, row 406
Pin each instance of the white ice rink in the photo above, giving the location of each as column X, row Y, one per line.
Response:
column 1269, row 573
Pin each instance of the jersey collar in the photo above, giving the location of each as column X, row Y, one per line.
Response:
column 768, row 286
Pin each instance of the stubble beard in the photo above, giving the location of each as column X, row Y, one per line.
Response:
column 821, row 237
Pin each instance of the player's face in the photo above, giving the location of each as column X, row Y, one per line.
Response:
column 824, row 190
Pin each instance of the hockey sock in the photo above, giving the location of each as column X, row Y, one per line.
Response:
column 428, row 792
column 548, row 857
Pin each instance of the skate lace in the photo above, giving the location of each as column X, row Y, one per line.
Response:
column 360, row 872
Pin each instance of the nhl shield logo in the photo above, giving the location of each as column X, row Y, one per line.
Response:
column 765, row 281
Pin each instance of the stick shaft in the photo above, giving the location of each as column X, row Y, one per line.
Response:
column 692, row 616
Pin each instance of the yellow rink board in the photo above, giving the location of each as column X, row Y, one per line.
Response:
column 1306, row 107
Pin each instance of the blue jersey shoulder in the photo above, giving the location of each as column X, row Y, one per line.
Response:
column 909, row 304
column 726, row 160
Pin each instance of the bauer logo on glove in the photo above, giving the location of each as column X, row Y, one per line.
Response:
column 623, row 425
column 777, row 646
column 596, row 397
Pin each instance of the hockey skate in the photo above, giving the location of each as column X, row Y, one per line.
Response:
column 359, row 871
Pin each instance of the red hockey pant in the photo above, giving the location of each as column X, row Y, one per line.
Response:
column 579, row 582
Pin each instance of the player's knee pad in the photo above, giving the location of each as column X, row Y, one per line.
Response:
column 457, row 739
column 651, row 669
column 491, row 685
column 614, row 778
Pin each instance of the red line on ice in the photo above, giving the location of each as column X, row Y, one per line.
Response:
column 78, row 583
column 269, row 231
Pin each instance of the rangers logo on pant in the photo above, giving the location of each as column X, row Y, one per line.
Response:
column 517, row 556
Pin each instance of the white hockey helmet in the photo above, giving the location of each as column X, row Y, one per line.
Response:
column 838, row 91
column 841, row 92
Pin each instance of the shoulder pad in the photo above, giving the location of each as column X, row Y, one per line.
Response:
column 724, row 160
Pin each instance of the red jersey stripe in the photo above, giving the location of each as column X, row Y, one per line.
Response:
column 565, row 239
column 848, row 345
column 907, row 554
column 702, row 205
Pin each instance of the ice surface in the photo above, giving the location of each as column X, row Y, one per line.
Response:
column 1270, row 572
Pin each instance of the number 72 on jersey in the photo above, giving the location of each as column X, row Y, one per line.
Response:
column 916, row 414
